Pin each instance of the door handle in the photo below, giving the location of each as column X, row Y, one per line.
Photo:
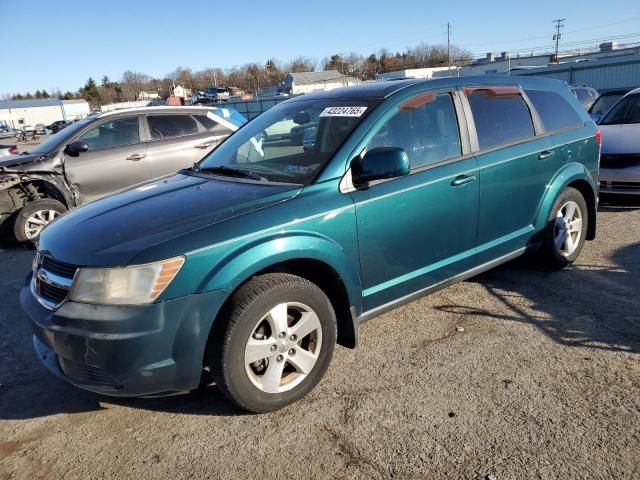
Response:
column 203, row 145
column 462, row 179
column 546, row 154
column 135, row 157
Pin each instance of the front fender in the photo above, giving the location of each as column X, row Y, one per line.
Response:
column 568, row 174
column 238, row 265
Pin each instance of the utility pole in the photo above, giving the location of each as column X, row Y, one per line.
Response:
column 558, row 35
column 449, row 47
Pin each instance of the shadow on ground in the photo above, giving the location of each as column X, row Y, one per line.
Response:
column 592, row 306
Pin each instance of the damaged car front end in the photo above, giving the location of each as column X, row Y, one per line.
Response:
column 33, row 192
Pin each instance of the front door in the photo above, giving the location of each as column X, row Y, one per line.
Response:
column 116, row 159
column 418, row 230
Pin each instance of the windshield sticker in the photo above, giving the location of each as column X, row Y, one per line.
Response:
column 343, row 111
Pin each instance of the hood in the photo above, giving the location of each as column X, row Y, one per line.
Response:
column 620, row 139
column 26, row 163
column 113, row 230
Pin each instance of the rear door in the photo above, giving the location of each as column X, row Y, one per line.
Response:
column 514, row 167
column 178, row 140
column 116, row 158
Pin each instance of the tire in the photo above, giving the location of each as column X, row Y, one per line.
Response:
column 286, row 368
column 45, row 210
column 561, row 247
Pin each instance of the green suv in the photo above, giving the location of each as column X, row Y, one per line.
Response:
column 249, row 267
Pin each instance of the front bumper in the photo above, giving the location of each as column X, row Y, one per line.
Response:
column 620, row 180
column 125, row 351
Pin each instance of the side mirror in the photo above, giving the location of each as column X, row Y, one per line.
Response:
column 76, row 148
column 596, row 117
column 378, row 164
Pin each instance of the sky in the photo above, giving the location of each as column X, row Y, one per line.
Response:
column 59, row 44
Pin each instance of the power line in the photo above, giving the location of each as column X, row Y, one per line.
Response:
column 593, row 27
column 569, row 44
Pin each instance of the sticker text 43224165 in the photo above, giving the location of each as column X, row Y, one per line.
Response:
column 343, row 111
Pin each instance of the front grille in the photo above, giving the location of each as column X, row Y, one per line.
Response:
column 52, row 293
column 631, row 186
column 52, row 281
column 59, row 268
column 619, row 160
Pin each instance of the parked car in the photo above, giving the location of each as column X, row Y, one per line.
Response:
column 586, row 95
column 219, row 94
column 6, row 150
column 620, row 160
column 250, row 266
column 58, row 125
column 102, row 154
column 40, row 129
column 9, row 133
column 605, row 101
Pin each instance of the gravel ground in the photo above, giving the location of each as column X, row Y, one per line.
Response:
column 543, row 382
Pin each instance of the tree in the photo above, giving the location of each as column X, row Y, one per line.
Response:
column 90, row 92
column 302, row 64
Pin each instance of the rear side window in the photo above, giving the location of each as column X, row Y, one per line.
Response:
column 553, row 109
column 500, row 118
column 426, row 128
column 171, row 126
column 213, row 126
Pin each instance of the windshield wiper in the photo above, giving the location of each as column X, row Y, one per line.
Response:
column 229, row 172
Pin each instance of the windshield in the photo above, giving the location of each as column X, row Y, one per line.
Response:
column 291, row 142
column 626, row 110
column 54, row 141
column 605, row 102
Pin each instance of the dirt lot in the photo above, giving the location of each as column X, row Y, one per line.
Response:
column 544, row 382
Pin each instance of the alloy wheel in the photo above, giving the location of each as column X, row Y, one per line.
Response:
column 37, row 221
column 283, row 347
column 568, row 228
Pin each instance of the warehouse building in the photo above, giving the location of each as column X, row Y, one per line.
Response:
column 307, row 82
column 22, row 113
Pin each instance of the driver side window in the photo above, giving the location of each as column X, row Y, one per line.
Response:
column 425, row 127
column 114, row 133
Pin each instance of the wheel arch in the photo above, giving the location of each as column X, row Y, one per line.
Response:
column 573, row 175
column 310, row 256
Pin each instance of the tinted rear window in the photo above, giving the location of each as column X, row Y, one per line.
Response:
column 500, row 119
column 213, row 126
column 555, row 112
column 170, row 126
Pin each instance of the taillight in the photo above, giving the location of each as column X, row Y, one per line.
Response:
column 13, row 150
column 598, row 137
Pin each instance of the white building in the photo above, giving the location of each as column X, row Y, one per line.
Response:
column 148, row 95
column 180, row 91
column 307, row 82
column 416, row 73
column 22, row 113
column 75, row 109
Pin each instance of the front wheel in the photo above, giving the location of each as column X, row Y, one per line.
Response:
column 32, row 218
column 566, row 230
column 276, row 344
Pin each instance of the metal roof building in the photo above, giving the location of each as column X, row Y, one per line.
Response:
column 306, row 82
column 22, row 113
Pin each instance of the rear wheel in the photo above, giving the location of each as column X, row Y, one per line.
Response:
column 276, row 344
column 566, row 230
column 32, row 218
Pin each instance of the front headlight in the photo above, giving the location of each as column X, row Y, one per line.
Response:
column 135, row 285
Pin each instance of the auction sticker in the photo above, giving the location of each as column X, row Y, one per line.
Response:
column 343, row 111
